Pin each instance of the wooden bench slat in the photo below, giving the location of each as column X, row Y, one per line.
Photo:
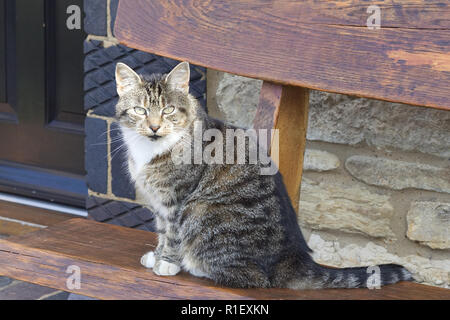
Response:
column 417, row 14
column 329, row 49
column 108, row 257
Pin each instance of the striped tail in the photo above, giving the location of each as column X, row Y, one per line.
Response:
column 359, row 277
column 365, row 277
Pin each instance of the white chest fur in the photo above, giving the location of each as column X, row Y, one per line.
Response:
column 142, row 150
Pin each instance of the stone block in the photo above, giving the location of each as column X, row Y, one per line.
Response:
column 429, row 223
column 399, row 175
column 345, row 207
column 318, row 160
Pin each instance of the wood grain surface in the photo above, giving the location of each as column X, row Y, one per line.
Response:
column 108, row 257
column 322, row 45
column 17, row 219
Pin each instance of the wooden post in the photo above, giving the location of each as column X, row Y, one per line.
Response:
column 286, row 108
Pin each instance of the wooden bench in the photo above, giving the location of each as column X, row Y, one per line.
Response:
column 108, row 257
column 293, row 46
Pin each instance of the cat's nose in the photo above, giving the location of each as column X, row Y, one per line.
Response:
column 155, row 128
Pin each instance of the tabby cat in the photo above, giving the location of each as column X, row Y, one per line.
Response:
column 226, row 222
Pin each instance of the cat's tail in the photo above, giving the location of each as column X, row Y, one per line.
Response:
column 359, row 277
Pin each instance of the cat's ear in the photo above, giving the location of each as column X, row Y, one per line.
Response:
column 126, row 78
column 178, row 78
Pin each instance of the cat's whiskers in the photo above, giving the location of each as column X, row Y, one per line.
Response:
column 115, row 140
column 114, row 152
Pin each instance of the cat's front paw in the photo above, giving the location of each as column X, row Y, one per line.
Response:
column 148, row 259
column 164, row 268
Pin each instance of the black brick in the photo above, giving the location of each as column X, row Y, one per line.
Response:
column 130, row 220
column 92, row 202
column 24, row 291
column 143, row 213
column 150, row 226
column 99, row 214
column 121, row 213
column 115, row 208
column 95, row 17
column 4, row 281
column 121, row 184
column 96, row 162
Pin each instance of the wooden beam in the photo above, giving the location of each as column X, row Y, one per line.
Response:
column 108, row 259
column 285, row 108
column 323, row 45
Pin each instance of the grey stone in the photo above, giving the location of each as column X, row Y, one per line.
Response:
column 24, row 291
column 237, row 97
column 318, row 160
column 351, row 120
column 399, row 175
column 429, row 223
column 346, row 119
column 59, row 296
column 4, row 281
column 345, row 207
column 74, row 296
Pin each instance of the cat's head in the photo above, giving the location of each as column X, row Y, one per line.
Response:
column 155, row 106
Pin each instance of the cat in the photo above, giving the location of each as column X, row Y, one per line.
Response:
column 225, row 222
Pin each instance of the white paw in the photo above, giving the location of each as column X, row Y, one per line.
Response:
column 165, row 268
column 148, row 259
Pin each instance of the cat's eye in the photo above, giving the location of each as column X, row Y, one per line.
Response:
column 168, row 110
column 139, row 110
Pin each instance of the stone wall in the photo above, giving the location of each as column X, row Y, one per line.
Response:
column 376, row 183
column 112, row 198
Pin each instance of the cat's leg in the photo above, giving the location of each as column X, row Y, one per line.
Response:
column 165, row 260
column 162, row 261
column 148, row 260
column 168, row 261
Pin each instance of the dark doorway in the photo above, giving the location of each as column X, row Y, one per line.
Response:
column 41, row 101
